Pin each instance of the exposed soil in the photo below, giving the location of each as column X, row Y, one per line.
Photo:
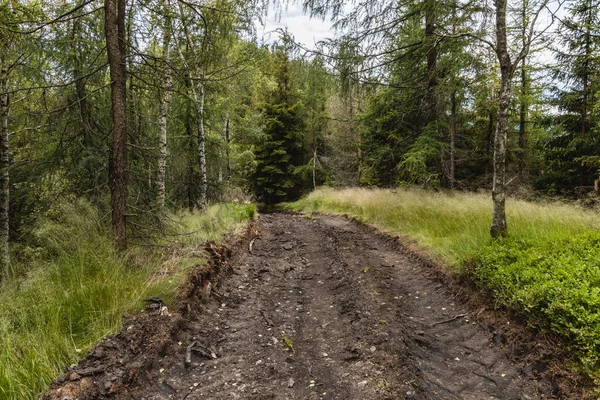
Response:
column 320, row 308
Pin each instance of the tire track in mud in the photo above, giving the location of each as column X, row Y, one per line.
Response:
column 324, row 309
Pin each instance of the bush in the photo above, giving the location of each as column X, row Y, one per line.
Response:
column 556, row 283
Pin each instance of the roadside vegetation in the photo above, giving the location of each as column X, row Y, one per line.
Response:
column 72, row 288
column 547, row 270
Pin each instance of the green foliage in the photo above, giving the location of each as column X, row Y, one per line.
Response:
column 575, row 137
column 554, row 282
column 279, row 150
column 425, row 151
column 77, row 289
column 212, row 225
column 450, row 225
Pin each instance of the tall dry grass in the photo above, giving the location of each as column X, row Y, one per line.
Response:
column 450, row 225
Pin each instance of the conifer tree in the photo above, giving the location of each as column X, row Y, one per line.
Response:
column 279, row 151
column 574, row 152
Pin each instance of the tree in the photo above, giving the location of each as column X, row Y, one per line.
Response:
column 507, row 70
column 4, row 158
column 570, row 153
column 116, row 49
column 279, row 151
column 165, row 100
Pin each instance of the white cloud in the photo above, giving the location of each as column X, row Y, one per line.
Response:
column 302, row 27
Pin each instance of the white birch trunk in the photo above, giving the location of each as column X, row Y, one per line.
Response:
column 165, row 103
column 201, row 147
column 4, row 164
column 499, row 228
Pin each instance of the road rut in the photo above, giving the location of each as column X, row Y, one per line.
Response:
column 323, row 308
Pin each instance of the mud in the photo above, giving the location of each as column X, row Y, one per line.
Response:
column 318, row 308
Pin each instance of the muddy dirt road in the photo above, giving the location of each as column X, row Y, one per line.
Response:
column 321, row 309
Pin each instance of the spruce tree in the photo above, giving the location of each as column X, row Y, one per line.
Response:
column 279, row 151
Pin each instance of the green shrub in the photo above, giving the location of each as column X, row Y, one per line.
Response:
column 555, row 282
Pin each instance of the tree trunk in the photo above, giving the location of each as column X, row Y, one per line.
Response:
column 433, row 112
column 228, row 151
column 314, row 169
column 192, row 150
column 4, row 164
column 524, row 91
column 452, row 136
column 198, row 96
column 80, row 83
column 499, row 228
column 165, row 102
column 199, row 99
column 523, row 116
column 488, row 142
column 585, row 95
column 115, row 47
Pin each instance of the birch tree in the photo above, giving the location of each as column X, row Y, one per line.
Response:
column 4, row 158
column 196, row 86
column 165, row 101
column 508, row 66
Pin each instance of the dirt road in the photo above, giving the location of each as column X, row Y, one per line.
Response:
column 321, row 309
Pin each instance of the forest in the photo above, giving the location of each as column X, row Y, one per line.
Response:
column 126, row 125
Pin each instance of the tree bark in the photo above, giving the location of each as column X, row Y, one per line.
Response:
column 189, row 131
column 524, row 91
column 314, row 169
column 499, row 228
column 452, row 137
column 433, row 112
column 115, row 46
column 165, row 102
column 523, row 115
column 488, row 142
column 199, row 97
column 4, row 165
column 585, row 95
column 228, row 151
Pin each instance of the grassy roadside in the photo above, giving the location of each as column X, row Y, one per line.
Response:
column 79, row 289
column 548, row 269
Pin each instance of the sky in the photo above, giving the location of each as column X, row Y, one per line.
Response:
column 305, row 30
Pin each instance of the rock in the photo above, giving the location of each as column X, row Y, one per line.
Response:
column 291, row 383
column 288, row 246
column 73, row 376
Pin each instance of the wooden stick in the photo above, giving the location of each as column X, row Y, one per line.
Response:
column 188, row 354
column 449, row 320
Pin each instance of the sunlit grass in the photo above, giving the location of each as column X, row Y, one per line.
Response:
column 449, row 225
column 79, row 289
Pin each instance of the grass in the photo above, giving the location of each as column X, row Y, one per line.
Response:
column 450, row 226
column 547, row 270
column 79, row 289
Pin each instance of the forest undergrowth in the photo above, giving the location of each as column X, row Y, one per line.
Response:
column 546, row 270
column 74, row 288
